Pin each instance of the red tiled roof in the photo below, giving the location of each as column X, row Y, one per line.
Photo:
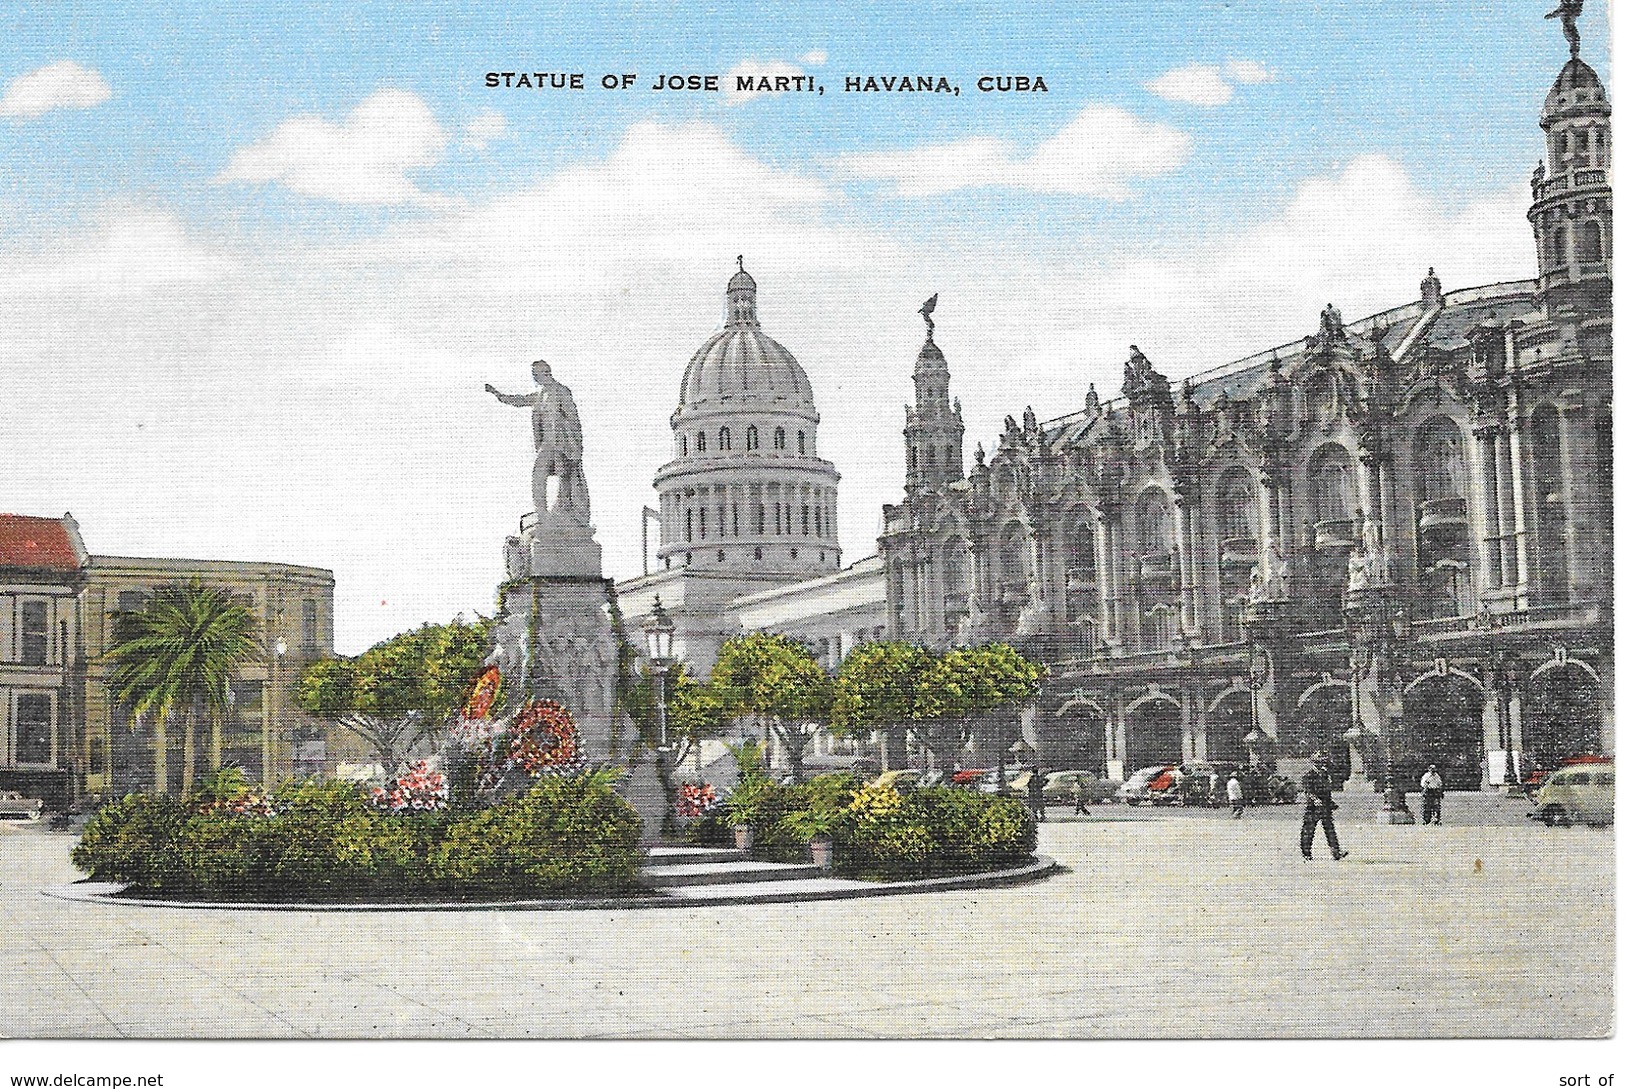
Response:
column 36, row 542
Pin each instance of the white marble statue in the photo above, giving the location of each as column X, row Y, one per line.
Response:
column 556, row 431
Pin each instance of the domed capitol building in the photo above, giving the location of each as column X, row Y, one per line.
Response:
column 1390, row 540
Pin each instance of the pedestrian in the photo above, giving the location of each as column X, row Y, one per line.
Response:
column 1035, row 793
column 1317, row 809
column 1078, row 808
column 1233, row 791
column 1432, row 796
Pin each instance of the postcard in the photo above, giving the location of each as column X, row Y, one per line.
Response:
column 807, row 522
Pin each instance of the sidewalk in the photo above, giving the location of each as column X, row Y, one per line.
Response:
column 1164, row 926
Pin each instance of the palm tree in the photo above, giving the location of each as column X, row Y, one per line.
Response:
column 175, row 658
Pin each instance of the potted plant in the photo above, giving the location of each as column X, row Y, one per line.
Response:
column 817, row 827
column 745, row 808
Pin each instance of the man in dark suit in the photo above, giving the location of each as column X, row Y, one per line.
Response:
column 1317, row 809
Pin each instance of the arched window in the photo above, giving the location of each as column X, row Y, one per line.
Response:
column 1237, row 507
column 818, row 521
column 806, row 520
column 801, row 442
column 930, row 457
column 1081, row 550
column 682, row 442
column 1560, row 243
column 699, row 441
column 725, row 439
column 1591, row 241
column 1331, row 484
column 1013, row 556
column 913, row 459
column 752, row 437
column 761, row 521
column 688, row 526
column 778, row 438
column 702, row 523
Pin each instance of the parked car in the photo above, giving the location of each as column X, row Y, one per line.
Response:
column 1058, row 787
column 14, row 806
column 974, row 778
column 1581, row 792
column 1158, row 784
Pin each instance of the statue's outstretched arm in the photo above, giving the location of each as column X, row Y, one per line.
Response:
column 518, row 400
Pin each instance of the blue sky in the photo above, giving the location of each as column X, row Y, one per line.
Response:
column 275, row 251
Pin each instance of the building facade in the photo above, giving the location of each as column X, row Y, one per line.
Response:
column 42, row 580
column 65, row 735
column 1390, row 540
column 265, row 733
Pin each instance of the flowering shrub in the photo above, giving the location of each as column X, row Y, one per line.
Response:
column 697, row 800
column 248, row 804
column 326, row 842
column 932, row 831
column 415, row 790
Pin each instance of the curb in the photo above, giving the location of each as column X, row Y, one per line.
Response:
column 105, row 893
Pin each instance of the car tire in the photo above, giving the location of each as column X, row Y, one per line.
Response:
column 1555, row 816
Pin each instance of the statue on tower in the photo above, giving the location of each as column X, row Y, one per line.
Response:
column 926, row 311
column 1569, row 12
column 556, row 431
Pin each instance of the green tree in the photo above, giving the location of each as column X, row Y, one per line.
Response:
column 174, row 660
column 877, row 688
column 972, row 690
column 398, row 694
column 775, row 678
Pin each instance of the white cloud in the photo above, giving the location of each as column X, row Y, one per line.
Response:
column 365, row 159
column 1197, row 84
column 1207, row 84
column 815, row 58
column 64, row 85
column 319, row 401
column 768, row 68
column 486, row 127
column 1098, row 153
column 1248, row 71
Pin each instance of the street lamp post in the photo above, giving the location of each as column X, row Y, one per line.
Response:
column 1258, row 674
column 270, row 728
column 659, row 632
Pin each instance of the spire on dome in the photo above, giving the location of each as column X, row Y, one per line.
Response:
column 742, row 299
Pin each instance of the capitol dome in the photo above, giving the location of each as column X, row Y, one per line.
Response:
column 745, row 490
column 743, row 364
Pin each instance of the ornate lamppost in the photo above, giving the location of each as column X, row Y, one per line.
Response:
column 1377, row 630
column 659, row 632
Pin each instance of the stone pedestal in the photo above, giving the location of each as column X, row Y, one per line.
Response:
column 556, row 638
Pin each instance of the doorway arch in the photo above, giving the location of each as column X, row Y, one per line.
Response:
column 1444, row 725
column 1562, row 715
column 1155, row 732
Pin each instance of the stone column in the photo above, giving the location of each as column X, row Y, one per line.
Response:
column 1103, row 591
column 1486, row 483
column 1121, row 603
column 1504, row 503
column 1520, row 543
column 1187, row 576
column 1575, row 468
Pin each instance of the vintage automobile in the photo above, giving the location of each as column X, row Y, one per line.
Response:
column 1579, row 793
column 13, row 806
column 1158, row 784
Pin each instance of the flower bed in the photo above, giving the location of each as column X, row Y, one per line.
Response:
column 332, row 842
column 882, row 834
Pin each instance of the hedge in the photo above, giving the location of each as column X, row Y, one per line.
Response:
column 325, row 843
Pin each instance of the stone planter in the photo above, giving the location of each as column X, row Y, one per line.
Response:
column 743, row 838
column 823, row 852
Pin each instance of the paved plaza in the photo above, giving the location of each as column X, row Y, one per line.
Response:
column 1164, row 924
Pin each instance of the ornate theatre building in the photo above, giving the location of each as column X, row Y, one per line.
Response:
column 1390, row 541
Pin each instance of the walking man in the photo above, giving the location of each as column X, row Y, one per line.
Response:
column 1035, row 792
column 1432, row 795
column 1317, row 809
column 1233, row 791
column 1078, row 808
